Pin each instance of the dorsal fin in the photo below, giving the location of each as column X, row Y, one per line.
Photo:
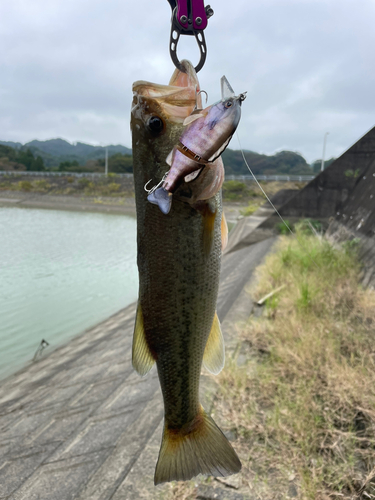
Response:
column 214, row 354
column 142, row 358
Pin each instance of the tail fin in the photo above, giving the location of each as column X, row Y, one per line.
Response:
column 200, row 448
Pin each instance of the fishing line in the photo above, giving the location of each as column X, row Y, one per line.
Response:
column 272, row 205
column 260, row 187
column 284, row 222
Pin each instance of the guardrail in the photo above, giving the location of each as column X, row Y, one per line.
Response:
column 280, row 178
column 58, row 174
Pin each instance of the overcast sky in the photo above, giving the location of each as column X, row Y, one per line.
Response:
column 67, row 67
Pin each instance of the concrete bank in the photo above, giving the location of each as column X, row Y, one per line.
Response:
column 81, row 424
column 123, row 205
column 104, row 204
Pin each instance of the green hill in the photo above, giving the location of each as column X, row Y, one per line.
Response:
column 282, row 163
column 55, row 151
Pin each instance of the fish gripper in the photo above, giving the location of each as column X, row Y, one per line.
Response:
column 189, row 17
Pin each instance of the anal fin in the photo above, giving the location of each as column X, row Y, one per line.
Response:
column 142, row 358
column 214, row 353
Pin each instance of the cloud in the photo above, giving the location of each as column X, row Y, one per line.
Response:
column 309, row 67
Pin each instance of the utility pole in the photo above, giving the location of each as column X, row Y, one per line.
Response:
column 106, row 161
column 324, row 151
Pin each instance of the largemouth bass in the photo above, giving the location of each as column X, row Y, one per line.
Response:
column 179, row 260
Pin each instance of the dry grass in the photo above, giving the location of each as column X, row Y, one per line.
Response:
column 303, row 405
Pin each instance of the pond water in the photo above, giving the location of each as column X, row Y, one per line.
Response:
column 60, row 273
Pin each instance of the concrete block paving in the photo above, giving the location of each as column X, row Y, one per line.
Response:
column 80, row 424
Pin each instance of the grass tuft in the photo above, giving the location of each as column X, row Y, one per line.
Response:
column 303, row 405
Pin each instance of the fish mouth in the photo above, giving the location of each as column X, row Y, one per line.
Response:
column 187, row 78
column 177, row 99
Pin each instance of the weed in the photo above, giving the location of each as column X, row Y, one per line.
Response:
column 304, row 299
column 309, row 226
column 113, row 187
column 271, row 305
column 235, row 190
column 351, row 247
column 250, row 209
column 282, row 228
column 25, row 185
column 352, row 173
column 306, row 410
column 41, row 185
column 83, row 182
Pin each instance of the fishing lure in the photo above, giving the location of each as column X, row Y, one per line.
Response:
column 208, row 132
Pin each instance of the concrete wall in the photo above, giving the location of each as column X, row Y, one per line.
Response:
column 326, row 195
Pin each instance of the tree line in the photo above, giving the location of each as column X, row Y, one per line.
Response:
column 28, row 160
column 284, row 162
column 16, row 159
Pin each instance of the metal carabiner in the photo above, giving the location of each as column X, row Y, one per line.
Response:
column 189, row 17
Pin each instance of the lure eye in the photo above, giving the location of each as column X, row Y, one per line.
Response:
column 155, row 124
column 228, row 104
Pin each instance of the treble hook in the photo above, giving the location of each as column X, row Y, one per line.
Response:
column 202, row 92
column 189, row 17
column 149, row 191
column 196, row 109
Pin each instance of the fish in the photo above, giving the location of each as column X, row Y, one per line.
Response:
column 207, row 134
column 176, row 326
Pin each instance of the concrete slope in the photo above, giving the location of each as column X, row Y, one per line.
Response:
column 254, row 228
column 81, row 424
column 324, row 196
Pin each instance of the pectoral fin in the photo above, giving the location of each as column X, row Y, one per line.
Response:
column 208, row 229
column 214, row 354
column 224, row 232
column 142, row 358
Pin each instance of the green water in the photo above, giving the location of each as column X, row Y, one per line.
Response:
column 60, row 272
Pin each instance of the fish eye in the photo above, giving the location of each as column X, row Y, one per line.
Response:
column 155, row 124
column 228, row 104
